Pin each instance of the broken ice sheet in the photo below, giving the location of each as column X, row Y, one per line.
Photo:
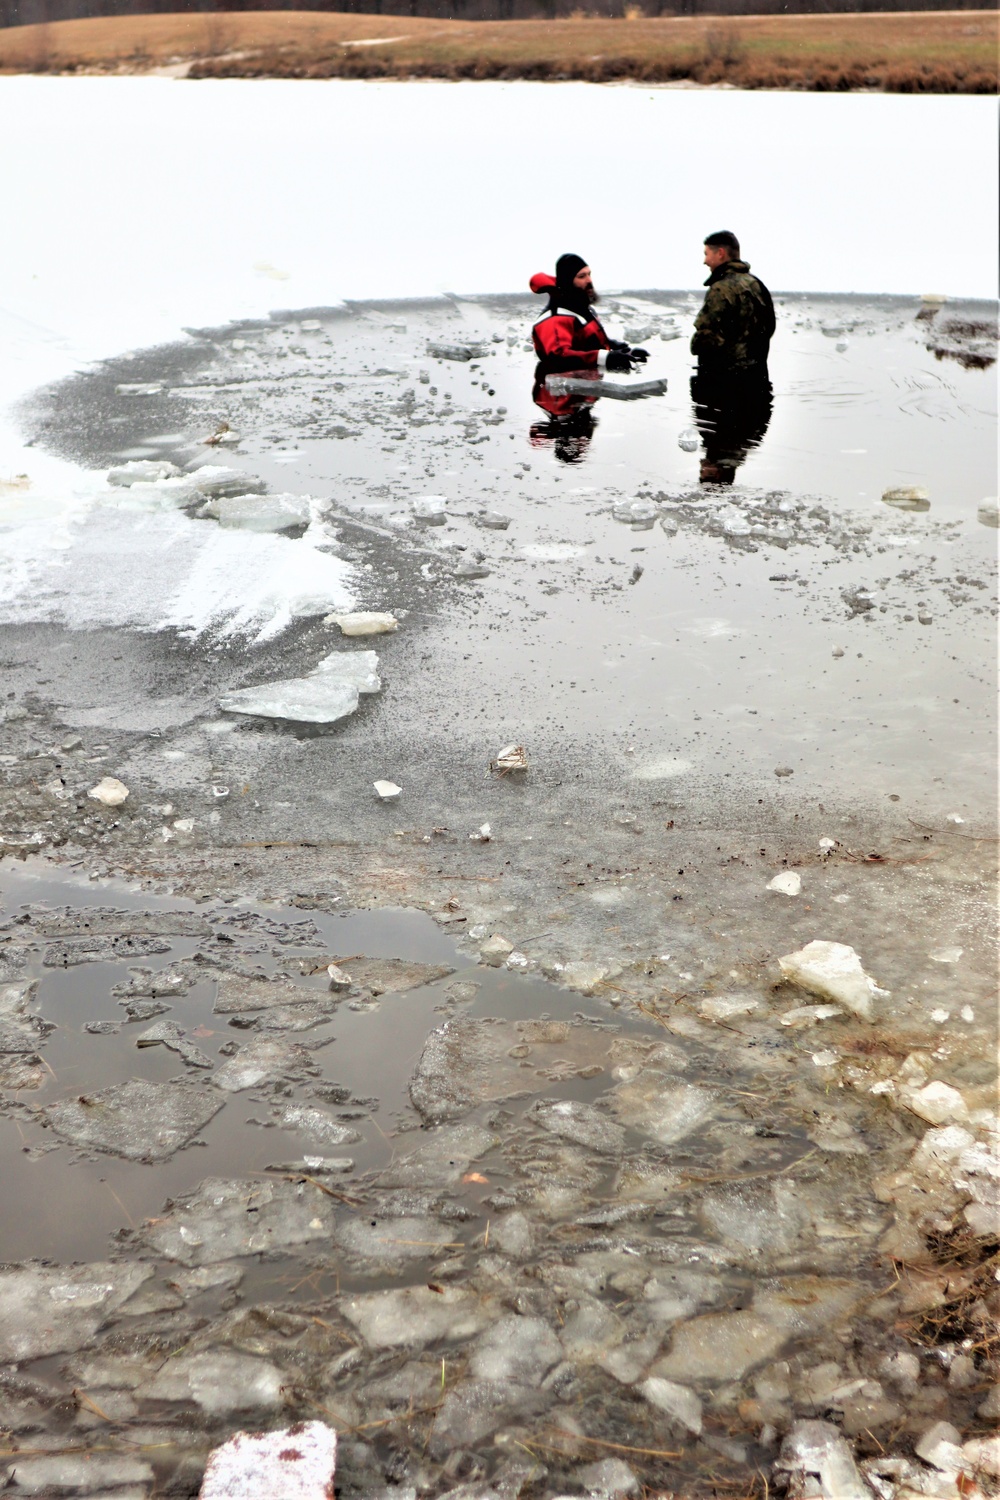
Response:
column 138, row 1120
column 263, row 1060
column 278, row 513
column 224, row 1219
column 48, row 1309
column 470, row 1060
column 330, row 692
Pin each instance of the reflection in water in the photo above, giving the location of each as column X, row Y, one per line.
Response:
column 571, row 422
column 732, row 411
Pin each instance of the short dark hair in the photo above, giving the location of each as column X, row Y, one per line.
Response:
column 724, row 239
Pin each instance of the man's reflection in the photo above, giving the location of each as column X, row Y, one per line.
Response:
column 570, row 426
column 732, row 412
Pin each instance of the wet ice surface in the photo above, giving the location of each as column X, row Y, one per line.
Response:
column 563, row 1221
column 795, row 620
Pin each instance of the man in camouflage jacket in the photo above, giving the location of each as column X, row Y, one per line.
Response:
column 732, row 333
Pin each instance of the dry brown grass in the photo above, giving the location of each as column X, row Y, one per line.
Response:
column 913, row 52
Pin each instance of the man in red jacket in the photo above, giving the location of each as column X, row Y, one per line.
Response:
column 568, row 335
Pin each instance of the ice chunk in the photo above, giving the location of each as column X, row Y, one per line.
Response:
column 430, row 509
column 318, row 1124
column 495, row 951
column 416, row 1316
column 580, row 1123
column 323, row 697
column 660, row 1106
column 788, row 883
column 689, row 440
column 360, row 668
column 303, row 700
column 441, row 1159
column 494, row 520
column 474, row 1409
column 516, row 1348
column 142, row 470
column 907, row 497
column 819, row 1450
column 109, row 791
column 725, row 1007
column 226, row 1219
column 168, row 1034
column 391, row 1244
column 217, row 1381
column 49, row 1309
column 609, row 1479
column 261, row 512
column 940, row 1446
column 461, row 352
column 678, row 1401
column 215, row 482
column 387, row 790
column 834, row 971
column 364, row 622
column 77, row 1473
column 988, row 513
column 294, row 1463
column 140, row 388
column 262, row 1060
column 582, row 385
column 636, row 512
column 937, row 1103
column 946, row 955
column 138, row 1120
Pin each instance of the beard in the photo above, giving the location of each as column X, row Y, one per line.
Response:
column 590, row 292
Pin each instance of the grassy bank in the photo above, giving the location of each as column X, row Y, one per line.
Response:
column 913, row 52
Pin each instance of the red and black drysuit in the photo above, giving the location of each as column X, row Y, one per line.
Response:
column 568, row 335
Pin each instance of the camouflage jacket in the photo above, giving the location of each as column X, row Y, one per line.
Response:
column 734, row 327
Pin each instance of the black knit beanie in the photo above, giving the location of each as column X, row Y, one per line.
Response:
column 568, row 266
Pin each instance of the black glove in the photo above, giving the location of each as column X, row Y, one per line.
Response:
column 618, row 363
column 640, row 356
column 618, row 346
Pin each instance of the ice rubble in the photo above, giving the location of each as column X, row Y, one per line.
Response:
column 277, row 513
column 328, row 693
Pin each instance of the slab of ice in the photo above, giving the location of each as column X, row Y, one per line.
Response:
column 327, row 694
column 261, row 512
column 225, row 1219
column 415, row 1316
column 48, row 1309
column 907, row 497
column 461, row 352
column 364, row 622
column 391, row 1244
column 689, row 440
column 581, row 385
column 516, row 1348
column 788, row 883
column 294, row 1463
column 662, row 1107
column 359, row 668
column 142, row 470
column 318, row 1124
column 139, row 1120
column 580, row 1123
column 217, row 1381
column 834, row 971
column 262, row 1060
column 78, row 1474
column 216, row 481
